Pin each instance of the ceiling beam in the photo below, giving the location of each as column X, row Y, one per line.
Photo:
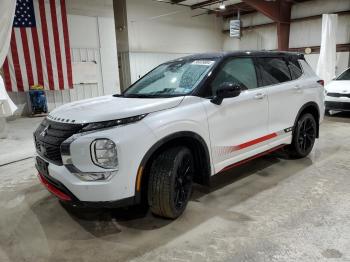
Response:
column 278, row 11
column 231, row 9
column 205, row 3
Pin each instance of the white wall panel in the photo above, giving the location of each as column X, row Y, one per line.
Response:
column 316, row 7
column 341, row 64
column 83, row 31
column 90, row 7
column 264, row 38
column 162, row 28
column 250, row 20
column 109, row 59
column 308, row 33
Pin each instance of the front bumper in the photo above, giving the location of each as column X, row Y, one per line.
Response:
column 339, row 103
column 62, row 193
column 133, row 141
column 337, row 106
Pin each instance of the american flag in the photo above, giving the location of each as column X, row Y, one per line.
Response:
column 39, row 52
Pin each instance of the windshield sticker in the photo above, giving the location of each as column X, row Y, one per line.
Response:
column 203, row 62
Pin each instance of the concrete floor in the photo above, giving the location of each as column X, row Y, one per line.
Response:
column 272, row 209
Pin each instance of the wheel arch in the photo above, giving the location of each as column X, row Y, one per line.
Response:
column 193, row 141
column 312, row 108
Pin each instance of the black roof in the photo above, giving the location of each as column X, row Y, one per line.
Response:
column 243, row 53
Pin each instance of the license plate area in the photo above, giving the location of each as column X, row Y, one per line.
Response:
column 42, row 166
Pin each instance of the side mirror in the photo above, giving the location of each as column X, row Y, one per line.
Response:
column 226, row 90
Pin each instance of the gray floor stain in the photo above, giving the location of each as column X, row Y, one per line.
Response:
column 332, row 253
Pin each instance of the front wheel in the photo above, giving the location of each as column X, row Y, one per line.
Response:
column 170, row 182
column 304, row 136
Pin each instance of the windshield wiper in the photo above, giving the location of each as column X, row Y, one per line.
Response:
column 138, row 96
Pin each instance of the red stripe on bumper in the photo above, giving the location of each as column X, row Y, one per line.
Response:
column 53, row 189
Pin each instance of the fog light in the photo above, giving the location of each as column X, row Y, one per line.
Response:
column 104, row 153
column 96, row 176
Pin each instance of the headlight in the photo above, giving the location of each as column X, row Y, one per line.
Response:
column 104, row 153
column 112, row 123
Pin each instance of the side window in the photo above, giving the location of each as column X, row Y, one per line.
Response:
column 295, row 69
column 237, row 70
column 274, row 70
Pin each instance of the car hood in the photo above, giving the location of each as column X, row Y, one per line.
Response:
column 106, row 108
column 339, row 86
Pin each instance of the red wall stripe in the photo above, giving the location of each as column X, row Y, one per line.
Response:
column 46, row 44
column 57, row 44
column 15, row 60
column 66, row 43
column 7, row 76
column 39, row 65
column 26, row 54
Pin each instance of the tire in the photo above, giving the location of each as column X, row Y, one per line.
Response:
column 170, row 182
column 304, row 136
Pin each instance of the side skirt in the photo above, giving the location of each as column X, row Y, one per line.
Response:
column 251, row 158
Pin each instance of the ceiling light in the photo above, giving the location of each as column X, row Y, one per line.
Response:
column 222, row 6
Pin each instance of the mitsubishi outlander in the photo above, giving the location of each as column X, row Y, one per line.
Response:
column 182, row 123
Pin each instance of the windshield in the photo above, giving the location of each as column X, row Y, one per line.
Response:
column 345, row 75
column 171, row 79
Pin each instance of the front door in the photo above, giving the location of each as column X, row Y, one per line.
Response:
column 239, row 126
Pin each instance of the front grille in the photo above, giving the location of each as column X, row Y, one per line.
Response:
column 49, row 137
column 337, row 105
column 338, row 95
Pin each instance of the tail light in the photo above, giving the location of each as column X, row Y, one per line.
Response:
column 321, row 82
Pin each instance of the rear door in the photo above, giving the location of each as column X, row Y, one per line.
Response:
column 239, row 126
column 280, row 77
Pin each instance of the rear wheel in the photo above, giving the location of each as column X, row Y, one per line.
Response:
column 304, row 136
column 170, row 182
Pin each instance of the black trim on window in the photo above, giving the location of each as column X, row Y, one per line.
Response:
column 260, row 66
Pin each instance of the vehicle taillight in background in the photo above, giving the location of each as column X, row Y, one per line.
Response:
column 321, row 82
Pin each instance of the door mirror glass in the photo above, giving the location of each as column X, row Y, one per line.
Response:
column 226, row 90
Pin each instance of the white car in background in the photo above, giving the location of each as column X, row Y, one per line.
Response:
column 338, row 93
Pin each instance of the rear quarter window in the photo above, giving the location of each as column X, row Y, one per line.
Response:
column 273, row 70
column 295, row 68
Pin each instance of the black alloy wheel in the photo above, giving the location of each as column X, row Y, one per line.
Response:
column 170, row 182
column 307, row 135
column 183, row 182
column 304, row 136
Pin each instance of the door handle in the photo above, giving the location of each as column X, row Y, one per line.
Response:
column 259, row 96
column 297, row 88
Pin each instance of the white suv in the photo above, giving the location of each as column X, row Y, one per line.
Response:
column 183, row 122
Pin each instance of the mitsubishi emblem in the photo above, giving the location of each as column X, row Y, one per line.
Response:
column 44, row 132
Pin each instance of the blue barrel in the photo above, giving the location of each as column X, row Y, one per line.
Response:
column 38, row 101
